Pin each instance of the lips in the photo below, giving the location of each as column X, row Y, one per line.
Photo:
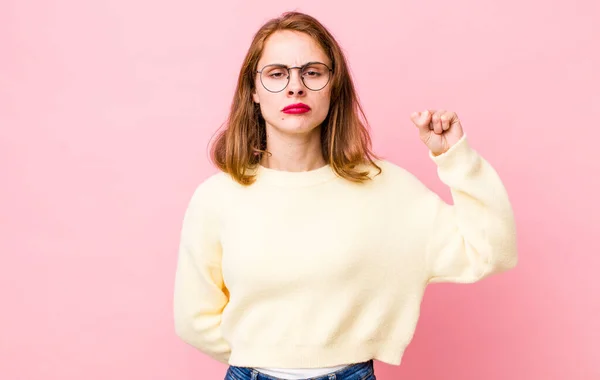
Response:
column 296, row 108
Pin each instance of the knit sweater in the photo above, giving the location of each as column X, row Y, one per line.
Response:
column 308, row 270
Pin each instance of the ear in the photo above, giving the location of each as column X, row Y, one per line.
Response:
column 255, row 97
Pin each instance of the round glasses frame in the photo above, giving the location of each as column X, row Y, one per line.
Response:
column 301, row 68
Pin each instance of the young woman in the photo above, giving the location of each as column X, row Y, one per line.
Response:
column 307, row 256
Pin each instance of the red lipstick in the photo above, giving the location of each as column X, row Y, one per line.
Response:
column 296, row 108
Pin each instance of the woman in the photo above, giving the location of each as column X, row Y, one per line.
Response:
column 307, row 256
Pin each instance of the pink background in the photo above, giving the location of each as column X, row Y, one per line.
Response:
column 106, row 108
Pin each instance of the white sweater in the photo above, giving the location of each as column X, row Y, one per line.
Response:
column 309, row 270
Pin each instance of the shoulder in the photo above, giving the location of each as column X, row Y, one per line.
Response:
column 393, row 172
column 396, row 178
column 213, row 188
column 391, row 168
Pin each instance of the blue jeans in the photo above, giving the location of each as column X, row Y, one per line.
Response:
column 359, row 371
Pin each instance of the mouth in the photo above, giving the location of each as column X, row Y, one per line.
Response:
column 296, row 108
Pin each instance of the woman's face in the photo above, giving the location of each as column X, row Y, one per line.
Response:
column 292, row 49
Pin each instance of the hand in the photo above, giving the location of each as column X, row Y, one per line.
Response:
column 439, row 130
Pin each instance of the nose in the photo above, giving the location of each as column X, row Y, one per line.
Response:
column 296, row 86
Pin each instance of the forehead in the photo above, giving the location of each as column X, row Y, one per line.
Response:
column 291, row 49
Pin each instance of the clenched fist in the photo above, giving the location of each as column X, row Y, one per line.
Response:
column 438, row 129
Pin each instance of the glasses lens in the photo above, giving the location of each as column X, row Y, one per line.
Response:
column 315, row 76
column 274, row 78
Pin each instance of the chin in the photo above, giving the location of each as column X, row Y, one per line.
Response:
column 297, row 126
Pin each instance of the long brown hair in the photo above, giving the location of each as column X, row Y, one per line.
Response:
column 345, row 140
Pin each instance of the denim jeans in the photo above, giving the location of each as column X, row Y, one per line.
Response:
column 359, row 371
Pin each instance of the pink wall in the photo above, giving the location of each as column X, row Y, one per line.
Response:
column 105, row 111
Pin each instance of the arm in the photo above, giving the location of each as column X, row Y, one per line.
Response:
column 200, row 294
column 475, row 237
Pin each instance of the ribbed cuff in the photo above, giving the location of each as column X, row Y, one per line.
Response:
column 460, row 156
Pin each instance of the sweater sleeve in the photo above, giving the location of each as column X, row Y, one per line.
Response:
column 199, row 293
column 476, row 236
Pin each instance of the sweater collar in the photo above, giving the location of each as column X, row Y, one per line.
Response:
column 294, row 179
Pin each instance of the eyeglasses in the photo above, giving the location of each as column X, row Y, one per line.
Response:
column 276, row 77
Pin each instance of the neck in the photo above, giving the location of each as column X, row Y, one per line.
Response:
column 293, row 152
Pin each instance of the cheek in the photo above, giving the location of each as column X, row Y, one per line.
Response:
column 268, row 104
column 325, row 102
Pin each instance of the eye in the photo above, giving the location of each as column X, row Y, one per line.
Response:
column 274, row 72
column 313, row 71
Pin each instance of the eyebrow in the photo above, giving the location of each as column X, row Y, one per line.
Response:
column 283, row 65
